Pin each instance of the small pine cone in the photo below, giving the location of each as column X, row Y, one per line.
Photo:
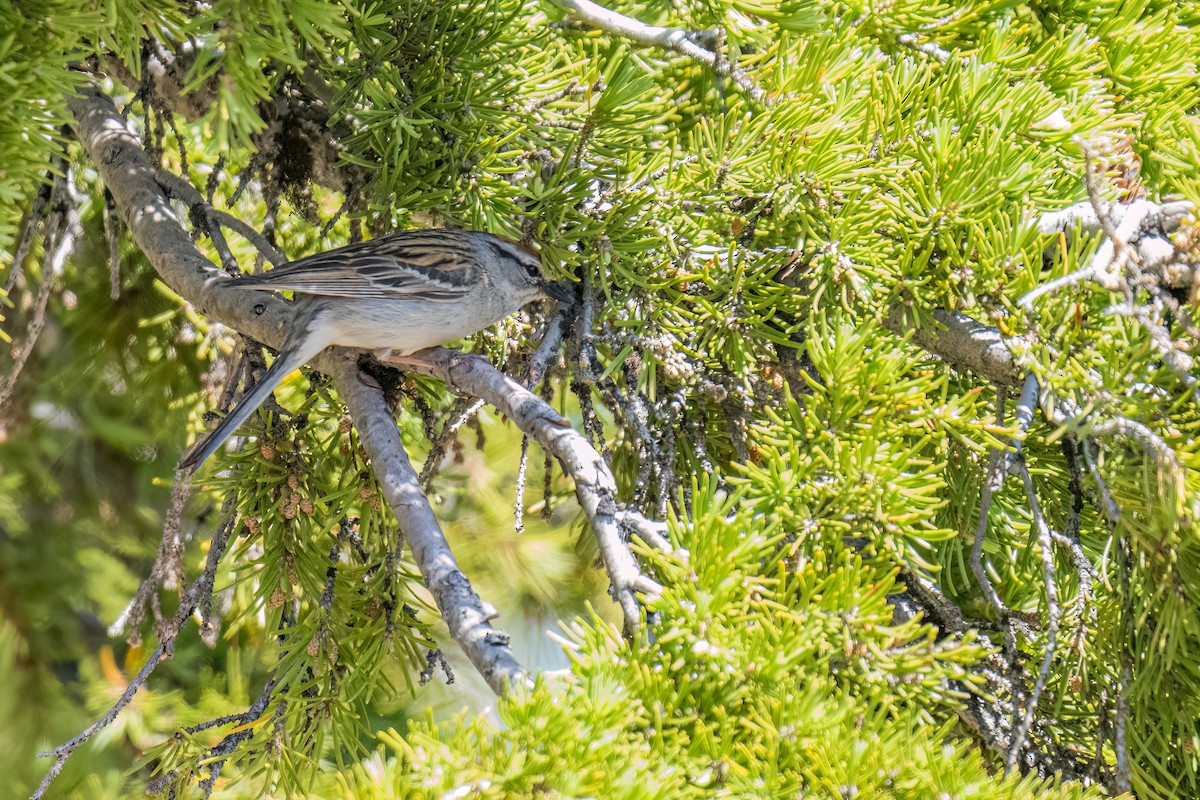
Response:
column 288, row 505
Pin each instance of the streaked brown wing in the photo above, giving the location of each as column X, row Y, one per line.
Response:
column 433, row 265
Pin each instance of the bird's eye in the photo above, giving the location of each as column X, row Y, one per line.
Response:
column 532, row 271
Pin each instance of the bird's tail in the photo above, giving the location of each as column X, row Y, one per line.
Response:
column 283, row 366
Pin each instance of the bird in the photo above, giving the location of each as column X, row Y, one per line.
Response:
column 394, row 294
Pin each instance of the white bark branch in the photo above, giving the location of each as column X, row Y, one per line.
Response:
column 674, row 39
column 595, row 486
column 1169, row 215
column 963, row 343
column 466, row 614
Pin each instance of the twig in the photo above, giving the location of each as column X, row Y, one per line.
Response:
column 1023, row 720
column 1111, row 510
column 1121, row 427
column 179, row 188
column 930, row 49
column 214, row 757
column 197, row 594
column 1083, row 611
column 993, row 479
column 588, row 365
column 1092, row 183
column 999, row 464
column 548, row 347
column 215, row 760
column 112, row 226
column 219, row 542
column 674, row 39
column 1181, row 314
column 64, row 751
column 519, row 503
column 1178, row 361
column 62, row 233
column 325, row 601
column 571, row 90
column 1124, row 779
column 1049, row 287
column 634, row 410
column 1114, row 253
column 213, row 179
column 167, row 569
column 438, row 450
column 546, row 392
column 25, row 242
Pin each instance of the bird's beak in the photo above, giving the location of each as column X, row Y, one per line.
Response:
column 563, row 292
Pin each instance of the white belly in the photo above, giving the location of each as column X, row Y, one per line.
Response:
column 405, row 328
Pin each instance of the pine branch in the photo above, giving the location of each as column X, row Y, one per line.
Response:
column 979, row 710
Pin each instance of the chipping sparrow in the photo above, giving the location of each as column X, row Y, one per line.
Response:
column 397, row 293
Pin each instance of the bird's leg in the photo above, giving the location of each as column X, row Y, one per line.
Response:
column 443, row 356
column 385, row 356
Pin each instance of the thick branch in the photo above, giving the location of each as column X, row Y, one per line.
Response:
column 465, row 613
column 1168, row 216
column 1134, row 232
column 963, row 343
column 594, row 483
column 164, row 76
column 130, row 177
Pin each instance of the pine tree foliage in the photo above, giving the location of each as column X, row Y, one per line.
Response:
column 757, row 273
